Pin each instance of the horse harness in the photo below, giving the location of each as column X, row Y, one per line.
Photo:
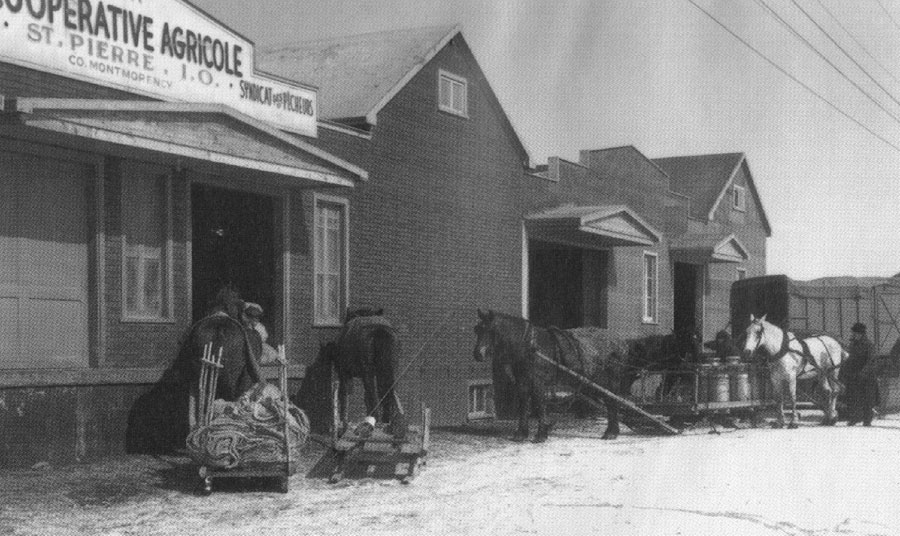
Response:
column 805, row 354
column 254, row 359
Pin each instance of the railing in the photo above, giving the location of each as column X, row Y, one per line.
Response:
column 704, row 387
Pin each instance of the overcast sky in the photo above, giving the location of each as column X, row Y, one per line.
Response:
column 664, row 77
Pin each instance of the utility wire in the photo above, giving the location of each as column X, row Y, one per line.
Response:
column 792, row 77
column 861, row 68
column 857, row 41
column 888, row 13
column 812, row 47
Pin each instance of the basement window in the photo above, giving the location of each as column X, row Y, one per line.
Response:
column 481, row 399
column 453, row 94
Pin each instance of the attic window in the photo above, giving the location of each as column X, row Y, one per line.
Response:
column 453, row 94
column 739, row 198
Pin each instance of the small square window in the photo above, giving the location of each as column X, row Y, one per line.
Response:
column 739, row 198
column 481, row 399
column 453, row 94
column 741, row 273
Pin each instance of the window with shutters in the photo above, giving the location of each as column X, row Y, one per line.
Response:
column 651, row 290
column 146, row 244
column 453, row 94
column 330, row 254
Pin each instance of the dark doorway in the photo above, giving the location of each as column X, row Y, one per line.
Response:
column 687, row 298
column 566, row 286
column 234, row 243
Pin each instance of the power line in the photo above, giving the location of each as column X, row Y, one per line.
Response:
column 888, row 13
column 812, row 47
column 838, row 45
column 792, row 77
column 857, row 41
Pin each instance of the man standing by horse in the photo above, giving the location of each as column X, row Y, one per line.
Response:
column 858, row 374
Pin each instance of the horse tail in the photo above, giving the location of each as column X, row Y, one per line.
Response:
column 383, row 345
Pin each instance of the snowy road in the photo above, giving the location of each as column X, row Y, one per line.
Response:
column 811, row 481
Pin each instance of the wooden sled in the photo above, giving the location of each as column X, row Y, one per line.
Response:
column 281, row 469
column 404, row 456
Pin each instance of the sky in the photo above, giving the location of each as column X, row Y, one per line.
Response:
column 823, row 147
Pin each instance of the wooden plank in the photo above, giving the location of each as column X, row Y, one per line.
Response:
column 624, row 403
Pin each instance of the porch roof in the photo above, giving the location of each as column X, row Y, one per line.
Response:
column 209, row 133
column 594, row 227
column 704, row 249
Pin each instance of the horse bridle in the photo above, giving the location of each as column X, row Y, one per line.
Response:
column 527, row 335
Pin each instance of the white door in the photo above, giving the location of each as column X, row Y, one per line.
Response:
column 43, row 263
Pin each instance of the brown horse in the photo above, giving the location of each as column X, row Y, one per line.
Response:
column 241, row 348
column 511, row 342
column 365, row 349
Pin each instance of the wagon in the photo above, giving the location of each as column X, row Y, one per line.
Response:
column 244, row 442
column 711, row 388
column 809, row 308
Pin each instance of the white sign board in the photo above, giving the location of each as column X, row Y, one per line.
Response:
column 161, row 48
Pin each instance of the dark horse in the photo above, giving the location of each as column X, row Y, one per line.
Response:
column 366, row 349
column 241, row 349
column 511, row 343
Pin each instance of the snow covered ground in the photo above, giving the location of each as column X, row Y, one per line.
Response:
column 810, row 481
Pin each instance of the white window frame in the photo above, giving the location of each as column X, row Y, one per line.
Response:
column 489, row 409
column 344, row 204
column 741, row 273
column 167, row 285
column 460, row 84
column 650, row 317
column 739, row 198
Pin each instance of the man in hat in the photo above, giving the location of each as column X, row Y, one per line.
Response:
column 858, row 375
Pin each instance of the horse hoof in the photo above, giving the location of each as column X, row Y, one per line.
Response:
column 793, row 426
column 609, row 436
column 828, row 422
column 777, row 425
column 539, row 439
column 518, row 438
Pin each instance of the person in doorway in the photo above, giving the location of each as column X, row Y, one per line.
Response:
column 858, row 375
column 251, row 316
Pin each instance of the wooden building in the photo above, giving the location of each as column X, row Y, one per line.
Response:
column 139, row 175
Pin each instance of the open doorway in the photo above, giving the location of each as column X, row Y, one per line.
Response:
column 566, row 285
column 234, row 243
column 688, row 298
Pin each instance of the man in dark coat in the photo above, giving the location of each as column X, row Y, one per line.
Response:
column 858, row 375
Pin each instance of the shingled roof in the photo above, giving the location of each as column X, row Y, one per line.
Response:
column 357, row 74
column 703, row 178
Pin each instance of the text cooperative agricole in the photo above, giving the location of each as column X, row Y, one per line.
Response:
column 126, row 26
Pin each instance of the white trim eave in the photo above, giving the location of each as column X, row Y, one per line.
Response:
column 343, row 129
column 28, row 105
column 617, row 209
column 740, row 247
column 372, row 115
column 712, row 210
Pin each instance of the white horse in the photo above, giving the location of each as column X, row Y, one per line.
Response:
column 791, row 358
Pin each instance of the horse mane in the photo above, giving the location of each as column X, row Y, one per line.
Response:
column 228, row 301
